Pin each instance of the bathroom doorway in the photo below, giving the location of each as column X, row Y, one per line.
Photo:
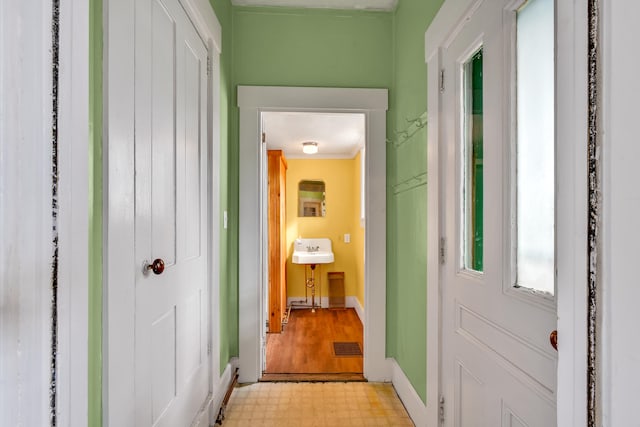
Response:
column 252, row 102
column 313, row 178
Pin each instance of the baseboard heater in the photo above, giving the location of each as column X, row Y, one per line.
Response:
column 227, row 396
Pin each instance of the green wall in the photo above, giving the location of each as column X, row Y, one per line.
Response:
column 302, row 47
column 407, row 193
column 94, row 391
column 228, row 315
column 289, row 47
column 286, row 47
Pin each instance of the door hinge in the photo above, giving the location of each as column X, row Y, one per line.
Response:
column 208, row 348
column 442, row 250
column 441, row 409
column 208, row 65
column 264, row 137
column 442, row 80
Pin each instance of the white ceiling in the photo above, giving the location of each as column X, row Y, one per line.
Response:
column 385, row 5
column 339, row 135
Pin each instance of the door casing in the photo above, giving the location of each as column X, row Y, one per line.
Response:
column 571, row 207
column 252, row 100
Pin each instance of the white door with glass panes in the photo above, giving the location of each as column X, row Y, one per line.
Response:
column 171, row 357
column 498, row 200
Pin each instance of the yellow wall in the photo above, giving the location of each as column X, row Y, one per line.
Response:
column 342, row 187
column 357, row 236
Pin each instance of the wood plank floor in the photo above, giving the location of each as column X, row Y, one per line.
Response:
column 306, row 344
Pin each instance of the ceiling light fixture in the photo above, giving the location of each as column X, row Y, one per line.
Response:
column 309, row 147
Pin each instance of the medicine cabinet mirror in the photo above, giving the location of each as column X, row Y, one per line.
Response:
column 311, row 198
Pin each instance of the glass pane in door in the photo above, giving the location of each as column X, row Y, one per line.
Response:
column 472, row 154
column 535, row 147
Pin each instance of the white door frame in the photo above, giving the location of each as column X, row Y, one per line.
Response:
column 73, row 217
column 252, row 100
column 571, row 207
column 26, row 119
column 118, row 283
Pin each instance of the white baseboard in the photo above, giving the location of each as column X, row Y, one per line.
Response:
column 353, row 302
column 204, row 415
column 350, row 302
column 412, row 402
column 221, row 390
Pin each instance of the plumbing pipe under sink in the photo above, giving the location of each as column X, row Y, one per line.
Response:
column 312, row 253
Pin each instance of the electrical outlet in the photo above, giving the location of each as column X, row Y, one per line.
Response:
column 347, row 238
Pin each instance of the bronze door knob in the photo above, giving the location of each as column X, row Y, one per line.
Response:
column 157, row 266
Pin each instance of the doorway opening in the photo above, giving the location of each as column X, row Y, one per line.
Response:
column 253, row 101
column 314, row 257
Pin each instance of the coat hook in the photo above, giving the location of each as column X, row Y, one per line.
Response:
column 404, row 133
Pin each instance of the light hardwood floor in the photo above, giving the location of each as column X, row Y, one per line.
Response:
column 306, row 346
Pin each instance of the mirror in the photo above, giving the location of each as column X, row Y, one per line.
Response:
column 311, row 198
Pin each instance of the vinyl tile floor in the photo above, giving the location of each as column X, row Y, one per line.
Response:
column 315, row 404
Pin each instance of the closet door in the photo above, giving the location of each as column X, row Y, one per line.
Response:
column 171, row 296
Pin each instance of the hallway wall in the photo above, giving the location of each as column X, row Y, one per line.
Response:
column 95, row 216
column 293, row 47
column 228, row 315
column 407, row 194
column 325, row 48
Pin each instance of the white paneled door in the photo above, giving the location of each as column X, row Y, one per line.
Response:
column 171, row 380
column 498, row 364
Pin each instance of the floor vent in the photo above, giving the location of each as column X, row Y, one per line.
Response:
column 346, row 349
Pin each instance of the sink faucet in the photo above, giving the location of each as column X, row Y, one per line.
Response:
column 313, row 248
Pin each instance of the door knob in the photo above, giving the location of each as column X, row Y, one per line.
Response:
column 553, row 339
column 157, row 266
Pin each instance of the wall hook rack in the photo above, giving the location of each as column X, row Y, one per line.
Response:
column 413, row 126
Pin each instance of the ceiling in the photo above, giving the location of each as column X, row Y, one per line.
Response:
column 384, row 5
column 339, row 135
